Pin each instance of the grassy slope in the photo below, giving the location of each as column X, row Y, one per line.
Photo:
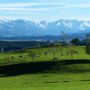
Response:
column 39, row 82
column 6, row 58
column 63, row 74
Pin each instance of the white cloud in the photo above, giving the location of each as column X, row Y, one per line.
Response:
column 25, row 9
column 48, row 19
column 27, row 4
column 11, row 5
column 15, row 12
column 7, row 18
column 21, row 6
column 78, row 5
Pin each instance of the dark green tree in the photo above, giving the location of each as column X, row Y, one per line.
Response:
column 88, row 49
column 32, row 55
column 75, row 40
column 71, row 50
column 88, row 44
column 54, row 48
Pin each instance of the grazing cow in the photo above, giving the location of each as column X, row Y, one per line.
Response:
column 20, row 56
column 45, row 53
column 76, row 52
column 68, row 53
column 37, row 56
column 39, row 53
column 12, row 57
column 62, row 54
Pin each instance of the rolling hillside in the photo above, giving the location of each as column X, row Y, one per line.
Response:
column 19, row 71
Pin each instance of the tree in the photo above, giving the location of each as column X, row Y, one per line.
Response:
column 56, row 45
column 75, row 41
column 32, row 55
column 64, row 38
column 88, row 49
column 71, row 50
column 88, row 44
column 2, row 50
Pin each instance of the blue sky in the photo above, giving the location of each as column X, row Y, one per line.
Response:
column 49, row 10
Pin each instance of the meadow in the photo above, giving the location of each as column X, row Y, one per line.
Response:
column 18, row 71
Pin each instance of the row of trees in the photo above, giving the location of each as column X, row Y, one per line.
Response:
column 88, row 44
column 70, row 44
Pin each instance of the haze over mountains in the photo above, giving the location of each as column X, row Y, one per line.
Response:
column 23, row 28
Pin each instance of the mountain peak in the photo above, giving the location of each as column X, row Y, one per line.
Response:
column 30, row 28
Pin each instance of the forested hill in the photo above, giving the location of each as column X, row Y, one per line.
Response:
column 15, row 45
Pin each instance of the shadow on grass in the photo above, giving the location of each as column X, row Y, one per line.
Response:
column 64, row 66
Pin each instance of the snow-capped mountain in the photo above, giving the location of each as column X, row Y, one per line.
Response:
column 30, row 28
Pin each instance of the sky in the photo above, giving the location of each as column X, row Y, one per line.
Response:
column 49, row 10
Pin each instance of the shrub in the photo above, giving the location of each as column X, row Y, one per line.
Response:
column 88, row 49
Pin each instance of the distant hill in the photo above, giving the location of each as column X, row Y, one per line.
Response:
column 81, row 36
column 6, row 46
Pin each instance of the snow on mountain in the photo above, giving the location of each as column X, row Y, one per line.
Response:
column 84, row 25
column 58, row 24
column 69, row 25
column 30, row 28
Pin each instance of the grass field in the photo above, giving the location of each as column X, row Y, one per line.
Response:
column 6, row 58
column 44, row 73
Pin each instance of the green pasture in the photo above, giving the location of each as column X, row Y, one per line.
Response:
column 19, row 72
column 46, row 82
column 6, row 58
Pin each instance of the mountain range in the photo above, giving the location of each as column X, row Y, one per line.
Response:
column 24, row 28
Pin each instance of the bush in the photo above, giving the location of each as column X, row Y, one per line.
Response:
column 88, row 49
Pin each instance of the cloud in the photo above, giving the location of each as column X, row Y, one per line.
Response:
column 15, row 12
column 24, row 9
column 37, row 10
column 78, row 5
column 12, row 5
column 27, row 4
column 21, row 6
